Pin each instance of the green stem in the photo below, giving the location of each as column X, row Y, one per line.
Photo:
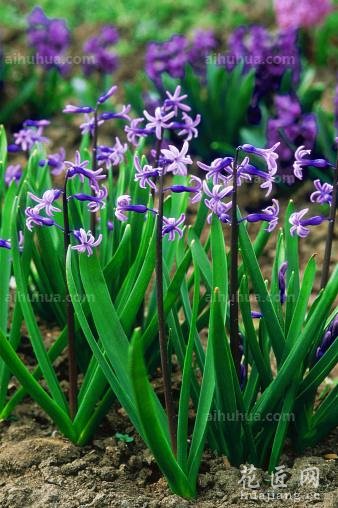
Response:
column 72, row 368
column 234, row 327
column 330, row 232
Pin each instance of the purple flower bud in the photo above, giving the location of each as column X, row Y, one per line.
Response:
column 256, row 315
column 123, row 114
column 55, row 162
column 13, row 148
column 103, row 98
column 197, row 189
column 13, row 174
column 329, row 337
column 95, row 202
column 77, row 109
column 171, row 227
column 282, row 281
column 5, row 244
column 33, row 218
column 78, row 168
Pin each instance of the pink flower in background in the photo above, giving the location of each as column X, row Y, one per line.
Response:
column 301, row 13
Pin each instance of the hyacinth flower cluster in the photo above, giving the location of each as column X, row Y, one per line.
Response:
column 50, row 39
column 303, row 13
column 203, row 282
column 98, row 49
column 31, row 133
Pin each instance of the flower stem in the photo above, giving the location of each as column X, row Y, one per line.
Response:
column 160, row 310
column 234, row 328
column 72, row 368
column 331, row 226
column 94, row 168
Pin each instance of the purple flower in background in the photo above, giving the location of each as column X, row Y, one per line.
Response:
column 55, row 162
column 292, row 128
column 27, row 137
column 176, row 160
column 187, row 126
column 300, row 225
column 86, row 241
column 36, row 123
column 322, row 194
column 171, row 227
column 145, row 174
column 269, row 214
column 34, row 219
column 95, row 202
column 202, row 44
column 158, row 121
column 174, row 102
column 124, row 205
column 99, row 51
column 46, row 202
column 282, row 281
column 268, row 154
column 169, row 56
column 330, row 336
column 13, row 174
column 256, row 315
column 135, row 132
column 112, row 156
column 49, row 37
column 301, row 13
column 214, row 171
column 5, row 244
column 123, row 114
column 197, row 189
column 301, row 161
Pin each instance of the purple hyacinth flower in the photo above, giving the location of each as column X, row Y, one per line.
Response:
column 95, row 203
column 322, row 194
column 145, row 174
column 268, row 154
column 135, row 132
column 27, row 137
column 78, row 168
column 55, row 161
column 124, row 205
column 158, row 121
column 197, row 189
column 103, row 98
column 89, row 125
column 86, row 241
column 5, row 244
column 301, row 161
column 176, row 160
column 46, row 202
column 36, row 123
column 269, row 214
column 216, row 168
column 123, row 114
column 330, row 336
column 13, row 174
column 171, row 227
column 187, row 126
column 101, row 57
column 300, row 225
column 174, row 102
column 215, row 204
column 78, row 109
column 282, row 281
column 33, row 218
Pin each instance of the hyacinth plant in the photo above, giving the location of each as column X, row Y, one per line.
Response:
column 268, row 349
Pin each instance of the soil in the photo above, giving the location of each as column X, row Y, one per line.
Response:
column 38, row 468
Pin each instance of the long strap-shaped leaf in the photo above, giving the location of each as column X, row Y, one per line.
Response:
column 272, row 322
column 156, row 437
